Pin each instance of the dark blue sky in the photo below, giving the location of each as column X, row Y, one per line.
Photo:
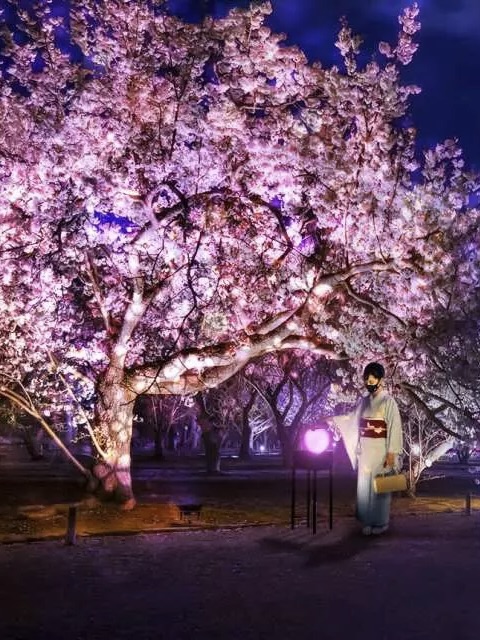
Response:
column 446, row 66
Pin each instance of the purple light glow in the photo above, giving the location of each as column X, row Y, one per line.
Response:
column 316, row 440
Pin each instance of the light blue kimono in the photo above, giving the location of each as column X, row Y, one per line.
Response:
column 367, row 454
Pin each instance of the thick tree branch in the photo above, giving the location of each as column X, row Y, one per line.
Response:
column 371, row 304
column 98, row 293
column 199, row 369
column 333, row 279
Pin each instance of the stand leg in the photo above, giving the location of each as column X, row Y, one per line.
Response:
column 292, row 510
column 314, row 503
column 309, row 496
column 330, row 499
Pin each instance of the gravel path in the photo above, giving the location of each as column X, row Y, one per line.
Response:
column 417, row 582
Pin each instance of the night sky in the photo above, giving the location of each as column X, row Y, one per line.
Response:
column 446, row 66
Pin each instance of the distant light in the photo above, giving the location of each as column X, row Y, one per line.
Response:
column 261, row 448
column 316, row 440
column 428, row 462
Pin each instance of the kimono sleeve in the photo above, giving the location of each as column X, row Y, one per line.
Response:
column 394, row 425
column 348, row 425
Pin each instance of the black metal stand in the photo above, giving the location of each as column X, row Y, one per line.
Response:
column 312, row 463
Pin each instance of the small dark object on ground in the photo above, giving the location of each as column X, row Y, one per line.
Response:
column 187, row 511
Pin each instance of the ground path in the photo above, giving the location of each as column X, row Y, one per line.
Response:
column 418, row 582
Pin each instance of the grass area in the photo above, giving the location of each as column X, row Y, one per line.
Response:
column 426, row 504
column 95, row 518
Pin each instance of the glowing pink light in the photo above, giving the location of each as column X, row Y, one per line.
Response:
column 316, row 440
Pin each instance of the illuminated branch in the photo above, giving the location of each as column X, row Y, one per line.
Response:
column 371, row 304
column 272, row 323
column 97, row 293
column 333, row 279
column 447, row 403
column 28, row 407
column 200, row 369
column 430, row 413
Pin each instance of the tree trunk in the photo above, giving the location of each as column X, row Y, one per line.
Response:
column 285, row 443
column 33, row 439
column 463, row 453
column 246, row 435
column 212, row 442
column 113, row 420
column 158, row 441
column 246, row 443
column 158, row 430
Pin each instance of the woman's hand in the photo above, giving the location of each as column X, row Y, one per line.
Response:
column 332, row 427
column 389, row 460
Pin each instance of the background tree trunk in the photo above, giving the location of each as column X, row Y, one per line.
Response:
column 246, row 434
column 246, row 442
column 158, row 442
column 212, row 442
column 33, row 437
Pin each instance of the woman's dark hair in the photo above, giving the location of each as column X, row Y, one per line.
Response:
column 374, row 369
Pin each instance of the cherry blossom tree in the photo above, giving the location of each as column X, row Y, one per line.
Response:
column 424, row 443
column 447, row 396
column 177, row 200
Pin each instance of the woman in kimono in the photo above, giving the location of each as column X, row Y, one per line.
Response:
column 372, row 435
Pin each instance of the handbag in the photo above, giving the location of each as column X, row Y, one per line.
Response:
column 390, row 483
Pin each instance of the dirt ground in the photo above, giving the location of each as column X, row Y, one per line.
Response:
column 417, row 582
